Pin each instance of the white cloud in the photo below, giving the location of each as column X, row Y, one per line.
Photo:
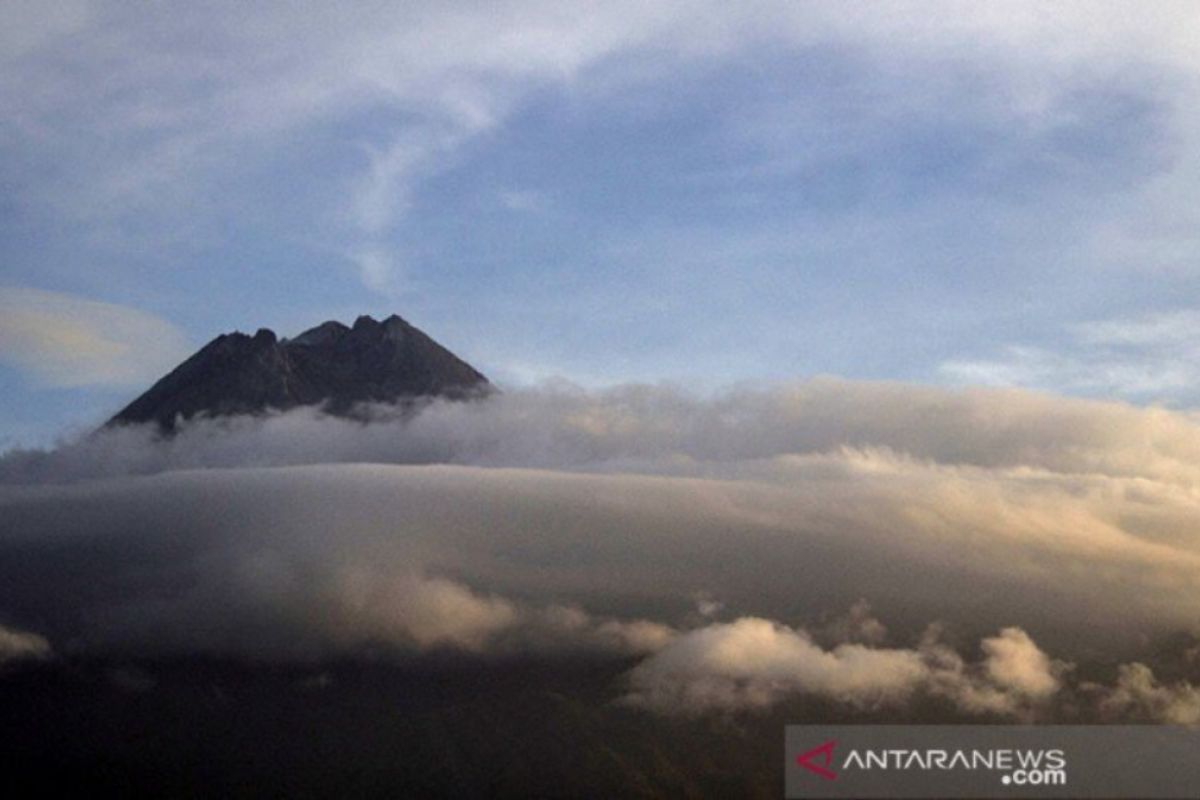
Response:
column 751, row 434
column 1015, row 662
column 754, row 663
column 66, row 340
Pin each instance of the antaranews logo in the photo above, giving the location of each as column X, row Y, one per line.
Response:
column 989, row 761
column 823, row 752
column 1015, row 766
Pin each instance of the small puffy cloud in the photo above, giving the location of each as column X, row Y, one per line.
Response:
column 22, row 646
column 1139, row 695
column 752, row 663
column 857, row 625
column 66, row 340
column 707, row 607
column 1015, row 662
column 1015, row 678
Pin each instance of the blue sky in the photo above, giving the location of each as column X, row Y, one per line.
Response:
column 936, row 192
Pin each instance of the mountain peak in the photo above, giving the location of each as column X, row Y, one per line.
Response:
column 331, row 365
column 322, row 334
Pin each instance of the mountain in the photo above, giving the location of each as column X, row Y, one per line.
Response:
column 333, row 365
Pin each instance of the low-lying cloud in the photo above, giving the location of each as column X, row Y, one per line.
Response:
column 719, row 540
column 754, row 663
column 1138, row 694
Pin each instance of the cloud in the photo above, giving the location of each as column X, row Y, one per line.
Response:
column 1147, row 357
column 727, row 549
column 66, row 340
column 176, row 100
column 1139, row 695
column 1015, row 678
column 987, row 509
column 745, row 433
column 857, row 625
column 1015, row 662
column 430, row 612
column 379, row 270
column 752, row 663
column 21, row 646
column 367, row 604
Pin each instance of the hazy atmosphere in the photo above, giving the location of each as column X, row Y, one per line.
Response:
column 841, row 365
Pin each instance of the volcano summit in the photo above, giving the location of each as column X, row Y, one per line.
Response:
column 332, row 365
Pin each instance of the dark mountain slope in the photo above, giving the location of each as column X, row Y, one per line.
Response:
column 331, row 364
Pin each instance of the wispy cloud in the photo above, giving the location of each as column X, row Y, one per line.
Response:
column 66, row 340
column 173, row 98
column 1149, row 357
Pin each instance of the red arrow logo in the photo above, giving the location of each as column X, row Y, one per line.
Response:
column 823, row 752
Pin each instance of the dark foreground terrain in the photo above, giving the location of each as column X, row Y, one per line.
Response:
column 435, row 728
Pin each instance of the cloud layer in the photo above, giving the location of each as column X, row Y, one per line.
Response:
column 748, row 433
column 710, row 535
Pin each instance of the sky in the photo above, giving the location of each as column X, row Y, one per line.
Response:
column 702, row 194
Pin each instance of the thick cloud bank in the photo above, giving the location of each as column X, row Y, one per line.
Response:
column 707, row 536
column 658, row 429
